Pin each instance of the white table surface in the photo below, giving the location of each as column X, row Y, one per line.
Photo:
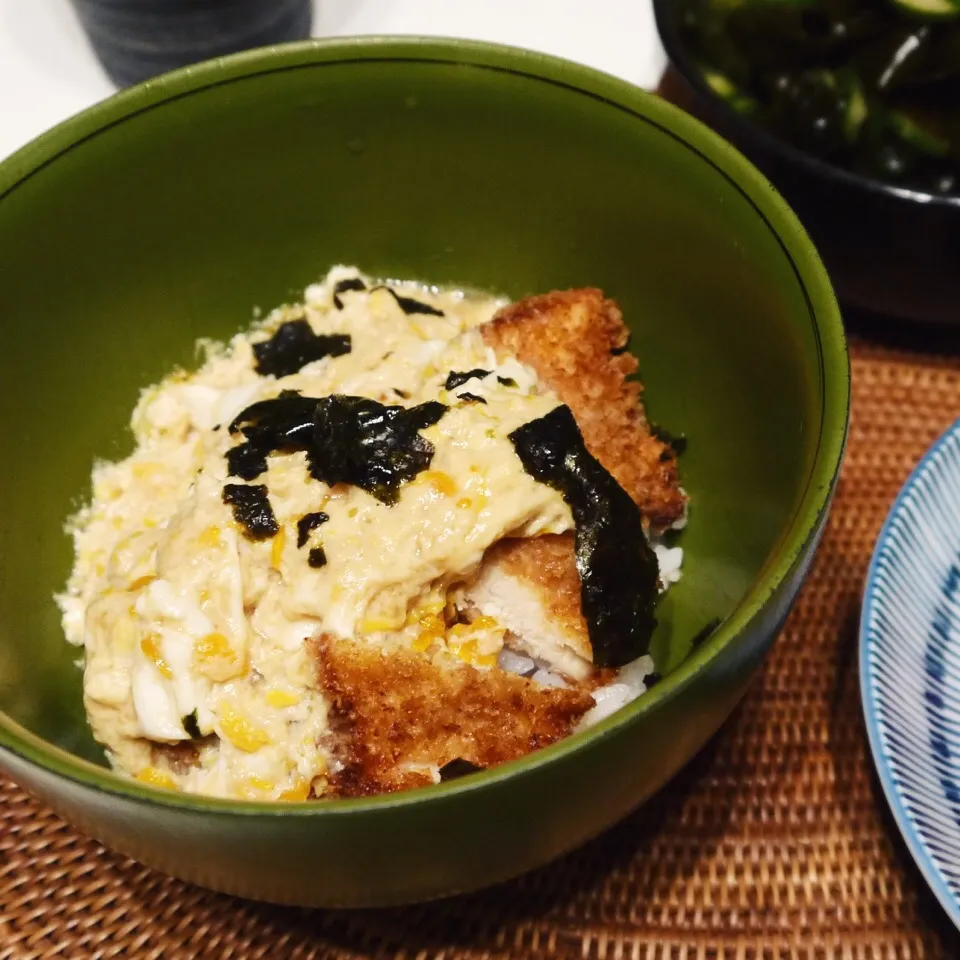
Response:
column 48, row 72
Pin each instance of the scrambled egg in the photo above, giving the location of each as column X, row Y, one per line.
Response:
column 197, row 672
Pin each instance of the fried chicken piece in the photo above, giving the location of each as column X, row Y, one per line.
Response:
column 532, row 588
column 575, row 341
column 397, row 716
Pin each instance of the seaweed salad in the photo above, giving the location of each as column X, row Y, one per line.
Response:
column 872, row 86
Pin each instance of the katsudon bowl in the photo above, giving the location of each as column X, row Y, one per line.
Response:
column 176, row 209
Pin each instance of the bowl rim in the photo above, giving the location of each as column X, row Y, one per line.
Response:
column 688, row 70
column 797, row 536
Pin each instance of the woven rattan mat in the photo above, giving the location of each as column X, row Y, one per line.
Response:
column 775, row 843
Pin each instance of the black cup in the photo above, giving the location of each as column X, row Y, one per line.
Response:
column 137, row 39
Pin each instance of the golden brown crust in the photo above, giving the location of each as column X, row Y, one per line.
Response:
column 399, row 709
column 575, row 341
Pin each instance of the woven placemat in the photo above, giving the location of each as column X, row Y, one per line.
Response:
column 774, row 843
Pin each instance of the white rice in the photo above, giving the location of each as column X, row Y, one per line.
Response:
column 670, row 560
column 514, row 662
column 628, row 686
column 547, row 679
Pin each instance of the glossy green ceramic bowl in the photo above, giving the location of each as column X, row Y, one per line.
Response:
column 173, row 210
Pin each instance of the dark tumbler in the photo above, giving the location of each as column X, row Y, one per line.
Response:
column 138, row 39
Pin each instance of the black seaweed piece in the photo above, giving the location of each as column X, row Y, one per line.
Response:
column 677, row 444
column 281, row 425
column 293, row 346
column 402, row 394
column 410, row 306
column 347, row 440
column 246, row 461
column 456, row 378
column 288, row 417
column 317, row 558
column 251, row 509
column 343, row 286
column 618, row 569
column 652, row 679
column 704, row 632
column 308, row 522
column 507, row 381
column 458, row 768
column 470, row 397
column 191, row 725
column 369, row 445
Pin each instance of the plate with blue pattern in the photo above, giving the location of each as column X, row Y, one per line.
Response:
column 910, row 665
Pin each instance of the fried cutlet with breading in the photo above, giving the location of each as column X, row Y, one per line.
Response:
column 396, row 716
column 575, row 341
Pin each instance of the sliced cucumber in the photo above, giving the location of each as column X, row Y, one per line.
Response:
column 929, row 9
column 743, row 103
column 727, row 90
column 920, row 138
column 856, row 109
column 720, row 84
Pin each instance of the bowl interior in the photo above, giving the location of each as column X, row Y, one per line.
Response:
column 175, row 211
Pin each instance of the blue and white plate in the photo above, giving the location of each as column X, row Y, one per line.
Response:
column 910, row 665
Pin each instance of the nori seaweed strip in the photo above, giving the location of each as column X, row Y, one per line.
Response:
column 343, row 286
column 618, row 569
column 369, row 445
column 470, row 398
column 293, row 346
column 347, row 439
column 410, row 306
column 317, row 558
column 191, row 726
column 678, row 444
column 287, row 419
column 456, row 378
column 507, row 381
column 458, row 768
column 307, row 523
column 246, row 461
column 251, row 509
column 704, row 632
column 281, row 425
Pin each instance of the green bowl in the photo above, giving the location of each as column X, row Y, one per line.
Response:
column 172, row 210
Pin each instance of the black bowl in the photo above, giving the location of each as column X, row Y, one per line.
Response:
column 889, row 250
